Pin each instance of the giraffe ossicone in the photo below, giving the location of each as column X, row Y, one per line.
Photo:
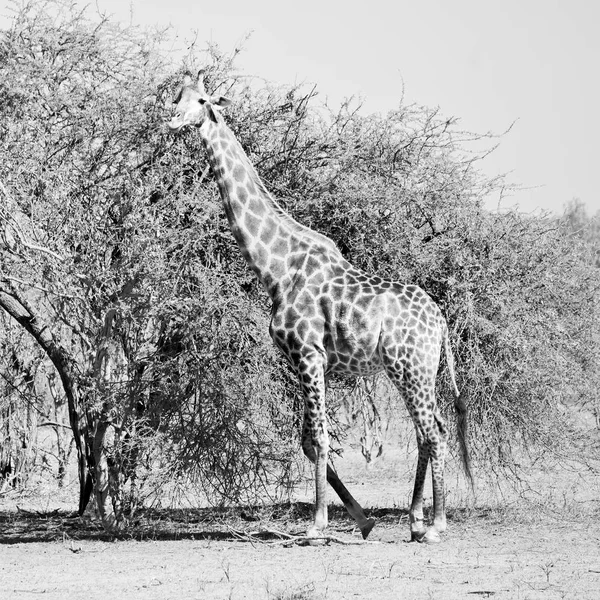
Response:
column 330, row 317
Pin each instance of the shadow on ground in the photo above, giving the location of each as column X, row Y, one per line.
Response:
column 25, row 526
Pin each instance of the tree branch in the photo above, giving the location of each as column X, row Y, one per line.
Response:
column 18, row 232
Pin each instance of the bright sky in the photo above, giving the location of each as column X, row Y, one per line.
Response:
column 535, row 62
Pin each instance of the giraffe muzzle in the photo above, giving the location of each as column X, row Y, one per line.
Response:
column 175, row 124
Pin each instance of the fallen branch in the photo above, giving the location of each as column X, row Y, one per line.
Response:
column 288, row 540
column 306, row 540
column 39, row 513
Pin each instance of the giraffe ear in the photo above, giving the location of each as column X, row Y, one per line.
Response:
column 220, row 101
column 187, row 80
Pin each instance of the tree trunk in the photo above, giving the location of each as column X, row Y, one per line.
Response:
column 108, row 478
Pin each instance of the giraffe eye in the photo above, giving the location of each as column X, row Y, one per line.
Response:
column 202, row 100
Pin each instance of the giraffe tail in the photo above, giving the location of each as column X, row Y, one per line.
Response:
column 462, row 412
column 462, row 430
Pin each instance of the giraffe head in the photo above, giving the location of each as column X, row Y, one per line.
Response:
column 193, row 106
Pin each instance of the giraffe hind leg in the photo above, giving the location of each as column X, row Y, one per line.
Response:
column 432, row 437
column 438, row 463
column 417, row 523
column 419, row 398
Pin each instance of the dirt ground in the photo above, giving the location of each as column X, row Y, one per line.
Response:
column 546, row 549
column 196, row 555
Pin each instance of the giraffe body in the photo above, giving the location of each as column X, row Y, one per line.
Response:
column 330, row 317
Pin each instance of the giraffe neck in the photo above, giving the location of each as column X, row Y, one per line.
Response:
column 271, row 241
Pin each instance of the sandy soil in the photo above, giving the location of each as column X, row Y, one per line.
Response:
column 215, row 554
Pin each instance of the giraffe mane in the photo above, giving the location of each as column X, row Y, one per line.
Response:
column 303, row 231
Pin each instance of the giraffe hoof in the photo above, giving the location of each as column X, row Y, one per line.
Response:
column 417, row 536
column 366, row 528
column 431, row 536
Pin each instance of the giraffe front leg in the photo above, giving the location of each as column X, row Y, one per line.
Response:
column 317, row 449
column 365, row 524
column 356, row 511
column 315, row 438
column 321, row 516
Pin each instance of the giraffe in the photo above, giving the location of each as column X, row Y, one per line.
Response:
column 330, row 317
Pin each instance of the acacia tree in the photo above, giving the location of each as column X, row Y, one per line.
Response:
column 101, row 265
column 63, row 151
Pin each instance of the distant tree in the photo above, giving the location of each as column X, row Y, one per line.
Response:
column 583, row 228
